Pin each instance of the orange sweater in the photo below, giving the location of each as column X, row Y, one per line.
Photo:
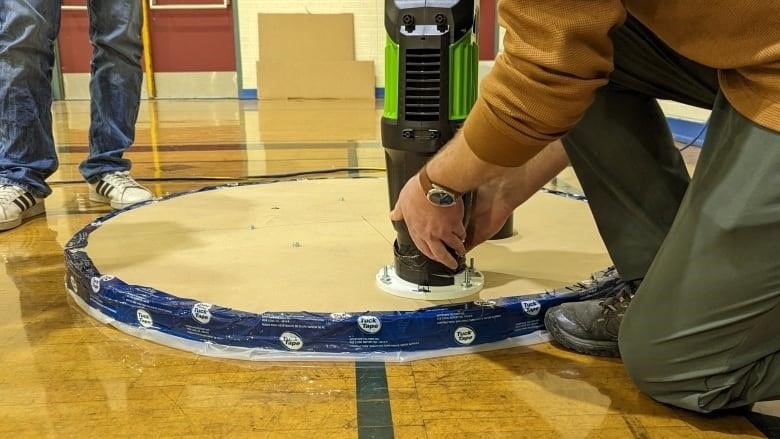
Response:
column 557, row 53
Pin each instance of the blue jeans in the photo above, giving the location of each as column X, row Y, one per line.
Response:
column 27, row 33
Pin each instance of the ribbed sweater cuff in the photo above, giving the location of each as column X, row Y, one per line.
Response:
column 496, row 142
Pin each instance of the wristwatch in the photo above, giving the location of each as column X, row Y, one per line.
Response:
column 437, row 194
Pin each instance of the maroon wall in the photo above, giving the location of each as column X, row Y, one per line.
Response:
column 487, row 29
column 182, row 40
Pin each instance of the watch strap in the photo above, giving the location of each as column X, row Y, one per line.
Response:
column 427, row 184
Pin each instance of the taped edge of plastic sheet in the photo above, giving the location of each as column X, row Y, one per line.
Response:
column 390, row 336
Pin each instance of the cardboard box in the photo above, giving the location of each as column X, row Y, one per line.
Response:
column 306, row 37
column 299, row 121
column 311, row 56
column 315, row 80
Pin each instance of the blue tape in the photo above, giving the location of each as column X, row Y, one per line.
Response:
column 438, row 327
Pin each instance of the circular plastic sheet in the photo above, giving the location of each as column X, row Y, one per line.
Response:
column 286, row 271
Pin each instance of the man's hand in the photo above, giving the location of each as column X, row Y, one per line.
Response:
column 432, row 228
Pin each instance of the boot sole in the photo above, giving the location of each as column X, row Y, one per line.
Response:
column 37, row 210
column 588, row 347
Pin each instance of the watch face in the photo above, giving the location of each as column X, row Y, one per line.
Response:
column 441, row 197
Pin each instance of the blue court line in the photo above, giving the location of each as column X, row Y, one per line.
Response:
column 687, row 131
column 251, row 93
column 375, row 421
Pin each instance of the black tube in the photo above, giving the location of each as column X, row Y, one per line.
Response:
column 421, row 125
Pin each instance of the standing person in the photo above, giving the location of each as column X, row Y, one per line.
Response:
column 698, row 325
column 28, row 30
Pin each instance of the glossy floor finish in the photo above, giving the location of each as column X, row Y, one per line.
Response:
column 63, row 374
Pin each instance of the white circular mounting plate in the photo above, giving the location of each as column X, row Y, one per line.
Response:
column 388, row 281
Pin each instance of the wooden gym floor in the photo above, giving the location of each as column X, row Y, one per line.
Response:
column 63, row 374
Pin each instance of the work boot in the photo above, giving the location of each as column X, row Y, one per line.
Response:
column 602, row 284
column 591, row 327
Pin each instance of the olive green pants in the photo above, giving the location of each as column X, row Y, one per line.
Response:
column 703, row 331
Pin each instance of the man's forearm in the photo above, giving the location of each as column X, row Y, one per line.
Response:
column 458, row 168
column 519, row 185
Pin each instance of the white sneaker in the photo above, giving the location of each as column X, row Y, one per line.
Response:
column 118, row 189
column 16, row 205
